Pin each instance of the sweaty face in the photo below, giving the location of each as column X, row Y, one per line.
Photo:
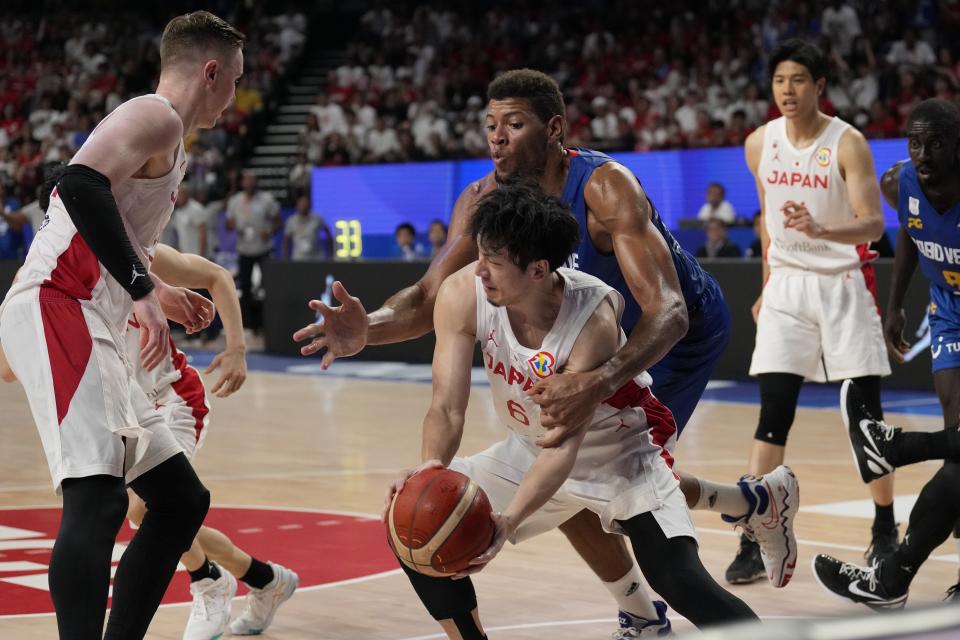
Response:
column 503, row 281
column 933, row 151
column 517, row 138
column 794, row 89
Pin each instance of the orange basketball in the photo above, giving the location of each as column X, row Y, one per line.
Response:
column 439, row 522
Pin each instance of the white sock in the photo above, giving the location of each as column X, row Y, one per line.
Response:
column 631, row 594
column 722, row 498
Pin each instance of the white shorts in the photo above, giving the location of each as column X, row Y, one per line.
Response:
column 92, row 417
column 499, row 469
column 186, row 411
column 822, row 327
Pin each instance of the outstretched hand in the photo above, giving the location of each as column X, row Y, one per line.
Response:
column 342, row 332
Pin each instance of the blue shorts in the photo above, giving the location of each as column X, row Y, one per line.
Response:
column 944, row 329
column 681, row 377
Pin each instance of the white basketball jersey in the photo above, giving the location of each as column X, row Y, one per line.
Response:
column 810, row 176
column 620, row 442
column 60, row 258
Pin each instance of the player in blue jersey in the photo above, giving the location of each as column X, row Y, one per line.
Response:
column 676, row 318
column 926, row 192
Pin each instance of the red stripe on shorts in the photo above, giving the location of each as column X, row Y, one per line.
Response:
column 867, row 256
column 659, row 418
column 68, row 344
column 190, row 389
column 77, row 271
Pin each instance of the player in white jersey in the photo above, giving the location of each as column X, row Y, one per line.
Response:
column 62, row 326
column 817, row 317
column 534, row 320
column 176, row 390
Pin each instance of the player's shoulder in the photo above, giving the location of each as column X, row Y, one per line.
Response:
column 756, row 136
column 459, row 282
column 599, row 338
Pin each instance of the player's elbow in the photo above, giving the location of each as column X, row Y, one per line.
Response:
column 678, row 322
column 876, row 228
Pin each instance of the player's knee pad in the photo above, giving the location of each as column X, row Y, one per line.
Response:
column 175, row 499
column 444, row 598
column 778, row 406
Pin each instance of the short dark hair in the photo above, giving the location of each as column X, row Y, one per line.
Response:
column 405, row 226
column 51, row 175
column 722, row 188
column 802, row 52
column 194, row 33
column 942, row 114
column 538, row 88
column 439, row 222
column 529, row 225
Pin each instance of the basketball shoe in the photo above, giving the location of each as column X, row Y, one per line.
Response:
column 871, row 440
column 883, row 542
column 211, row 607
column 748, row 566
column 632, row 626
column 774, row 499
column 858, row 584
column 262, row 604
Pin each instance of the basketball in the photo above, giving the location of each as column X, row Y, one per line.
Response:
column 439, row 522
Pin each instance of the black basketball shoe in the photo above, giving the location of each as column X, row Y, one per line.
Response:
column 748, row 566
column 871, row 440
column 856, row 583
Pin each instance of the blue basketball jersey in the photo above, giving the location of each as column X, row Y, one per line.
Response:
column 936, row 235
column 694, row 282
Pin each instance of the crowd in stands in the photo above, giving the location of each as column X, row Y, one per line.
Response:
column 635, row 75
column 61, row 73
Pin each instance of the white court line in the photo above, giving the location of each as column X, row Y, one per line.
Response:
column 569, row 623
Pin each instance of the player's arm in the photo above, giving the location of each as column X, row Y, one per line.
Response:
column 455, row 326
column 196, row 272
column 619, row 204
column 123, row 144
column 753, row 150
column 620, row 207
column 856, row 162
column 596, row 344
column 904, row 263
column 407, row 314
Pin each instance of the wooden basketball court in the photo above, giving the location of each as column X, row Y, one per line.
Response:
column 332, row 444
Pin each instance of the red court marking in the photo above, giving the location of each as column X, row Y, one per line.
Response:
column 322, row 547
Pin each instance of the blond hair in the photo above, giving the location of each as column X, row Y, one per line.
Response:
column 195, row 33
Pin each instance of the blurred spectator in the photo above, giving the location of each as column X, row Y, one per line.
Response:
column 911, row 51
column 437, row 234
column 305, row 235
column 189, row 219
column 716, row 207
column 255, row 215
column 407, row 248
column 839, row 22
column 382, row 143
column 756, row 247
column 718, row 245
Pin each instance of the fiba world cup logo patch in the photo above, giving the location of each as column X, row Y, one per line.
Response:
column 823, row 156
column 542, row 364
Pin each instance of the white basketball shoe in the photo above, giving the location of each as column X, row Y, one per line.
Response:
column 262, row 604
column 774, row 500
column 211, row 607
